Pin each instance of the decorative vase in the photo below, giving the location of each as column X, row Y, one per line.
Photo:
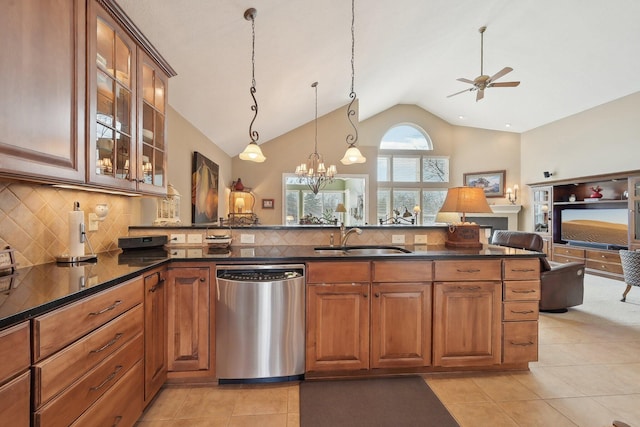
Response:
column 238, row 185
column 572, row 198
column 596, row 192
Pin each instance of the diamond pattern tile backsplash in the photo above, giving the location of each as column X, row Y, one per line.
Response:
column 34, row 220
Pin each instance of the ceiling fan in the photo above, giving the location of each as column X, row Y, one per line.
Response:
column 483, row 81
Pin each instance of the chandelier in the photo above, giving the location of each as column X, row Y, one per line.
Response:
column 313, row 172
column 252, row 152
column 353, row 154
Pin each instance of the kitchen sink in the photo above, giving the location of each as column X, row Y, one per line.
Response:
column 361, row 250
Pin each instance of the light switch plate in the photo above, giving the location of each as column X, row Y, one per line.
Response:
column 397, row 238
column 194, row 238
column 247, row 238
column 420, row 239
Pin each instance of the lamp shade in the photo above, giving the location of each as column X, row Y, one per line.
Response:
column 341, row 208
column 253, row 153
column 466, row 200
column 353, row 155
column 447, row 217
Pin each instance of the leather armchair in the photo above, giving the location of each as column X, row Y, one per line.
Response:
column 561, row 285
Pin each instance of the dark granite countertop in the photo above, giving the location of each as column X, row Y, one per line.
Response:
column 37, row 289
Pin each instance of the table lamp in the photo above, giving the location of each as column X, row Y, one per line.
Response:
column 341, row 210
column 465, row 200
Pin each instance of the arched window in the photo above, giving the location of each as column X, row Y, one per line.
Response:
column 410, row 178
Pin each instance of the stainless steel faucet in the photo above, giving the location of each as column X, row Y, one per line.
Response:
column 344, row 234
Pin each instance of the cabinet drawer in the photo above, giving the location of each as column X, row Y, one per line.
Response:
column 565, row 250
column 468, row 270
column 338, row 272
column 613, row 257
column 14, row 401
column 55, row 330
column 15, row 353
column 521, row 269
column 565, row 259
column 604, row 266
column 520, row 342
column 520, row 290
column 121, row 405
column 73, row 401
column 55, row 373
column 402, row 271
column 519, row 310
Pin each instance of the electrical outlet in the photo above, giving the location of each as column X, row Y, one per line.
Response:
column 397, row 238
column 194, row 238
column 177, row 238
column 247, row 238
column 420, row 239
column 194, row 253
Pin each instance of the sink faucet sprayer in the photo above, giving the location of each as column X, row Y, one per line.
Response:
column 344, row 234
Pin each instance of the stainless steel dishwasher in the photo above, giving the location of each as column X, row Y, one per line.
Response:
column 260, row 327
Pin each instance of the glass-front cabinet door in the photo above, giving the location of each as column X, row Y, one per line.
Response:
column 541, row 206
column 112, row 91
column 152, row 165
column 634, row 212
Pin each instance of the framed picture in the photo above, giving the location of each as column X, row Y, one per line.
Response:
column 267, row 203
column 492, row 182
column 204, row 190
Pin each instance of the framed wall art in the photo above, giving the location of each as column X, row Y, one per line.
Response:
column 492, row 182
column 267, row 203
column 204, row 190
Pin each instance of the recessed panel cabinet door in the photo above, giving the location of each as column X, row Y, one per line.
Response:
column 467, row 323
column 155, row 333
column 42, row 81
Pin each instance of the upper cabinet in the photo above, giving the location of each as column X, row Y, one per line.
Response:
column 84, row 97
column 126, row 104
column 43, row 90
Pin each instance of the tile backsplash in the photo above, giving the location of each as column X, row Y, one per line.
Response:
column 34, row 220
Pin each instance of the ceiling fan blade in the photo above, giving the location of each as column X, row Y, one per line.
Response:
column 462, row 91
column 462, row 79
column 501, row 73
column 504, row 84
column 480, row 95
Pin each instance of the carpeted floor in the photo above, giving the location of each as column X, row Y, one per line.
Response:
column 380, row 402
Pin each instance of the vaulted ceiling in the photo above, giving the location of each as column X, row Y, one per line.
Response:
column 569, row 55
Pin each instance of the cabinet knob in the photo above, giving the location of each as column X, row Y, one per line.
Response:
column 202, row 279
column 365, row 295
column 377, row 294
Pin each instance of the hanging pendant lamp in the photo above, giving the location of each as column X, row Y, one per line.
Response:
column 252, row 152
column 313, row 171
column 353, row 154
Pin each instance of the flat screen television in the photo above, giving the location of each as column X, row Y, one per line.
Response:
column 601, row 228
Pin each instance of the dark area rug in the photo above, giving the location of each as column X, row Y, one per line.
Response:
column 406, row 401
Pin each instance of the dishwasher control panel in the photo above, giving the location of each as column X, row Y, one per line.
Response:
column 259, row 273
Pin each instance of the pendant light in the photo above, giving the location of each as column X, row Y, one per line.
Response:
column 353, row 154
column 313, row 171
column 252, row 152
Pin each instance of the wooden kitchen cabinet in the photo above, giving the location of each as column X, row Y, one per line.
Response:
column 190, row 318
column 42, row 86
column 337, row 316
column 401, row 314
column 155, row 332
column 126, row 104
column 15, row 378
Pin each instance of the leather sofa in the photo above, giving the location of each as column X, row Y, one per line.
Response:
column 561, row 285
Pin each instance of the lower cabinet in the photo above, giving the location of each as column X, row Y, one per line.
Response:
column 15, row 377
column 190, row 320
column 353, row 324
column 467, row 323
column 155, row 332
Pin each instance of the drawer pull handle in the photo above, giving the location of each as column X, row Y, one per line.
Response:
column 523, row 312
column 111, row 376
column 468, row 288
column 116, row 421
column 470, row 270
column 523, row 291
column 109, row 344
column 365, row 295
column 523, row 270
column 104, row 310
column 523, row 344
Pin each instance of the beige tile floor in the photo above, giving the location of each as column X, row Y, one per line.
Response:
column 588, row 374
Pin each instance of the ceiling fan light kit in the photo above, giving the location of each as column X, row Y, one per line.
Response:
column 484, row 81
